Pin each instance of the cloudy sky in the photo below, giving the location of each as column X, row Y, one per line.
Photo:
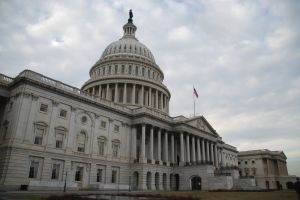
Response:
column 242, row 56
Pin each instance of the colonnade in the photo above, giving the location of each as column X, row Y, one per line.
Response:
column 130, row 93
column 159, row 146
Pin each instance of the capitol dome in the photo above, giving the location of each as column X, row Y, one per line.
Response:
column 127, row 74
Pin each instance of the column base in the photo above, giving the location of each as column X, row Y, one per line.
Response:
column 143, row 160
column 181, row 164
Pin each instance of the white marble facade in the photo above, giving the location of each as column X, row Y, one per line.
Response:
column 114, row 133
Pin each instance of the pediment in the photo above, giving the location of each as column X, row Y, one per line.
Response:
column 202, row 124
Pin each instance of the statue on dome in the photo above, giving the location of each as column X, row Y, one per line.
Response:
column 130, row 16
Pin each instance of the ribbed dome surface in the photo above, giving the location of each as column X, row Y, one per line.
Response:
column 128, row 45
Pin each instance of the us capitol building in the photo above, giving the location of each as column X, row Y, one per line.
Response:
column 113, row 133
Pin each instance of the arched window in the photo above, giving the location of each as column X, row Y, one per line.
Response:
column 81, row 141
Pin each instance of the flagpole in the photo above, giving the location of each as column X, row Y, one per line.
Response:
column 194, row 101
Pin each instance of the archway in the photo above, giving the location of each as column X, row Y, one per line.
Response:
column 135, row 181
column 172, row 182
column 157, row 181
column 176, row 181
column 196, row 183
column 164, row 181
column 149, row 180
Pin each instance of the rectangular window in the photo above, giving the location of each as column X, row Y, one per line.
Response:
column 55, row 171
column 109, row 70
column 59, row 140
column 101, row 148
column 116, row 69
column 44, row 107
column 33, row 170
column 115, row 150
column 81, row 142
column 63, row 113
column 78, row 174
column 114, row 176
column 123, row 69
column 116, row 128
column 80, row 148
column 129, row 69
column 103, row 124
column 99, row 175
column 38, row 140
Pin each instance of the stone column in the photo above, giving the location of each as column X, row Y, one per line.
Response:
column 172, row 148
column 133, row 142
column 222, row 160
column 198, row 150
column 212, row 153
column 203, row 150
column 156, row 99
column 151, row 143
column 187, row 148
column 166, row 147
column 159, row 144
column 193, row 149
column 216, row 156
column 116, row 93
column 72, row 133
column 150, row 97
column 100, row 89
column 107, row 92
column 181, row 148
column 165, row 104
column 50, row 137
column 142, row 96
column 207, row 151
column 143, row 142
column 161, row 100
column 125, row 93
column 93, row 90
column 133, row 94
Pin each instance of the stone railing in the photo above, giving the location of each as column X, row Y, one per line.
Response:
column 70, row 89
column 5, row 80
column 152, row 112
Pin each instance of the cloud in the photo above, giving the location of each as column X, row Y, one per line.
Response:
column 242, row 56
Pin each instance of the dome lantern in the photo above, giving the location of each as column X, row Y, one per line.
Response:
column 129, row 28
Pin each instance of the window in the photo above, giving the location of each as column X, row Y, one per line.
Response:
column 123, row 69
column 78, row 174
column 103, row 124
column 136, row 70
column 129, row 69
column 101, row 147
column 116, row 128
column 81, row 142
column 114, row 176
column 44, row 107
column 253, row 171
column 39, row 132
column 246, row 162
column 109, row 70
column 253, row 161
column 99, row 175
column 33, row 170
column 239, row 163
column 116, row 69
column 143, row 72
column 55, row 171
column 115, row 148
column 63, row 113
column 84, row 119
column 59, row 140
